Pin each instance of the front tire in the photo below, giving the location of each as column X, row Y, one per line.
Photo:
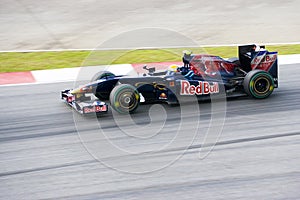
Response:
column 258, row 84
column 124, row 98
column 102, row 74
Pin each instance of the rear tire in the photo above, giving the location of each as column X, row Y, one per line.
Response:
column 124, row 98
column 258, row 84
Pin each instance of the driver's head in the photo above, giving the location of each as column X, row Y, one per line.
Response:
column 173, row 68
column 255, row 47
column 187, row 52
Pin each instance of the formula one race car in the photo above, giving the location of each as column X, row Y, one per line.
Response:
column 254, row 73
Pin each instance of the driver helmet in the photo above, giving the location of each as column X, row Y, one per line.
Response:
column 187, row 52
column 173, row 68
column 256, row 47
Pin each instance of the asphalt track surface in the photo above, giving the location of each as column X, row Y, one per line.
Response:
column 56, row 24
column 256, row 156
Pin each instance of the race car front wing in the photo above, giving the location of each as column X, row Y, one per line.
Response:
column 83, row 103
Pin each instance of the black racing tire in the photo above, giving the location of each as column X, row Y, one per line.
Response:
column 102, row 74
column 258, row 84
column 124, row 98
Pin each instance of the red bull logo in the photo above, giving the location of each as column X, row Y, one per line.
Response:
column 95, row 109
column 203, row 87
column 270, row 58
column 263, row 62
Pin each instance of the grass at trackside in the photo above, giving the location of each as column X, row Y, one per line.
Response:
column 13, row 61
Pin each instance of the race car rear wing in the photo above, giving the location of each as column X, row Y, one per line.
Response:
column 251, row 59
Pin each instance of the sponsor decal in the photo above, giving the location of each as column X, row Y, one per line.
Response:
column 162, row 96
column 103, row 108
column 88, row 110
column 263, row 62
column 171, row 83
column 95, row 109
column 70, row 99
column 264, row 59
column 203, row 87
